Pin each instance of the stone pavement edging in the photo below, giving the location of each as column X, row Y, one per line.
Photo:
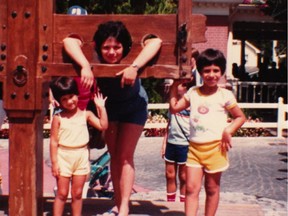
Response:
column 268, row 207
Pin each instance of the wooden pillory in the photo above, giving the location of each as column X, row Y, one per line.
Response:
column 31, row 53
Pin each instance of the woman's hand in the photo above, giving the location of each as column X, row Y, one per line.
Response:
column 87, row 77
column 129, row 75
column 72, row 46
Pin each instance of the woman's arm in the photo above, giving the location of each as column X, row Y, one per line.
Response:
column 150, row 48
column 73, row 48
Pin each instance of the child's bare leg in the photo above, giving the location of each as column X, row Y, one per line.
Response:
column 193, row 186
column 212, row 188
column 171, row 170
column 61, row 196
column 182, row 181
column 76, row 193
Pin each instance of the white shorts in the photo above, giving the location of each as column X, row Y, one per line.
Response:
column 73, row 161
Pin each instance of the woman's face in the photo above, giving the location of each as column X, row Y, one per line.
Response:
column 112, row 51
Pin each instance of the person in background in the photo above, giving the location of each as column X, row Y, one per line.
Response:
column 68, row 142
column 210, row 134
column 127, row 100
column 196, row 76
column 175, row 148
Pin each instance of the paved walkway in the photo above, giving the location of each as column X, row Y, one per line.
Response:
column 255, row 184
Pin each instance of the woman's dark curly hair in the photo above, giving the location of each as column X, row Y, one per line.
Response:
column 211, row 57
column 114, row 29
column 63, row 85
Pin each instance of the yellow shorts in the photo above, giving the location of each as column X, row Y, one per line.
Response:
column 73, row 161
column 207, row 156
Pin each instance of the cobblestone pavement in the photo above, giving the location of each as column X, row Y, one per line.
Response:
column 257, row 167
column 257, row 173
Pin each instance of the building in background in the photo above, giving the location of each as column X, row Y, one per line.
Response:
column 231, row 24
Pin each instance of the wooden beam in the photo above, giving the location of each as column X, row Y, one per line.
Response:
column 109, row 70
column 137, row 25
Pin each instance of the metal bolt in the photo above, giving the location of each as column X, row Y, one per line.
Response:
column 183, row 58
column 27, row 14
column 183, row 73
column 45, row 47
column 45, row 27
column 14, row 14
column 3, row 46
column 26, row 95
column 1, row 67
column 44, row 69
column 184, row 48
column 13, row 95
column 44, row 57
column 3, row 57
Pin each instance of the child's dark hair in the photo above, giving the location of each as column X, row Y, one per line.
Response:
column 188, row 84
column 194, row 53
column 114, row 29
column 63, row 85
column 209, row 57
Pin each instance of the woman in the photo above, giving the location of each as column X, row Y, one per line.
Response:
column 126, row 104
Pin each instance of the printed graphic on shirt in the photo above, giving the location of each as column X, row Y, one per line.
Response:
column 202, row 109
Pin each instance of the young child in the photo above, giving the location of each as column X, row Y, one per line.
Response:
column 175, row 148
column 68, row 142
column 210, row 134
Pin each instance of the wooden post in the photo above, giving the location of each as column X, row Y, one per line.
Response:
column 23, row 102
column 183, row 37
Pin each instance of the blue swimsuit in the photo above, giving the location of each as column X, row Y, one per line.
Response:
column 128, row 104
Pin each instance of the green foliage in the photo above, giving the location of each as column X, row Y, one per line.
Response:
column 154, row 88
column 120, row 6
column 161, row 7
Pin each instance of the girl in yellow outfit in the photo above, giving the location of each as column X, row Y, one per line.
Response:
column 210, row 134
column 68, row 142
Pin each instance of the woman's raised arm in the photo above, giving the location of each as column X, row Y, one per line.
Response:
column 73, row 48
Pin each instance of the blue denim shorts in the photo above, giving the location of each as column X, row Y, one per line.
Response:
column 176, row 153
column 133, row 110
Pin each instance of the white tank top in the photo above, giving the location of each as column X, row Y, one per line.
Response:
column 73, row 132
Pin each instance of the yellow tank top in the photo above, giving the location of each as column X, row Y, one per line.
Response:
column 73, row 132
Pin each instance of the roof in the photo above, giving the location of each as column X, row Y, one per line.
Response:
column 249, row 22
